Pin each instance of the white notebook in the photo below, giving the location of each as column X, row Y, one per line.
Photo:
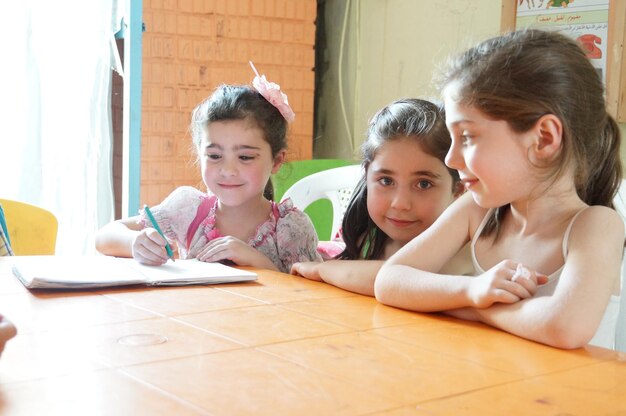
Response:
column 80, row 272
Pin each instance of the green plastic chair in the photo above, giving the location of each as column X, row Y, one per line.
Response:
column 320, row 212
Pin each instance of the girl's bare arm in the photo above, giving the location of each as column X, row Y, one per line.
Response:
column 409, row 278
column 354, row 275
column 116, row 238
column 570, row 317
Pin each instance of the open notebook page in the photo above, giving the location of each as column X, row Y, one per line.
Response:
column 102, row 271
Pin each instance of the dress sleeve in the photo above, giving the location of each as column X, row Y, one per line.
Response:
column 296, row 237
column 175, row 213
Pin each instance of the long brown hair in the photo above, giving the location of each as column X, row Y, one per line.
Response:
column 418, row 120
column 520, row 77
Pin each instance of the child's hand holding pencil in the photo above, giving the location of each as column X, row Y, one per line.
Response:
column 150, row 246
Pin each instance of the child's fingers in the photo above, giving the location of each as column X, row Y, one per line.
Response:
column 307, row 270
column 295, row 269
column 527, row 279
column 155, row 237
column 516, row 289
column 542, row 279
column 223, row 248
column 147, row 251
column 505, row 296
column 528, row 284
column 145, row 256
column 216, row 251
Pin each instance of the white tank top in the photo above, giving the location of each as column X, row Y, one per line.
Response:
column 605, row 334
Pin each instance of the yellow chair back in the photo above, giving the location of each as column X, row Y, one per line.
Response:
column 32, row 229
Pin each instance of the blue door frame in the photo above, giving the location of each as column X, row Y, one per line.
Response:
column 132, row 33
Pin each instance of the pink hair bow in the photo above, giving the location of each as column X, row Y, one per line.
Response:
column 272, row 93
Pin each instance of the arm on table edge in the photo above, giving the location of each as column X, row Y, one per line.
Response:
column 116, row 238
column 409, row 278
column 354, row 275
column 570, row 317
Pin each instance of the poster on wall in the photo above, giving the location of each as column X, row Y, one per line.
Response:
column 583, row 20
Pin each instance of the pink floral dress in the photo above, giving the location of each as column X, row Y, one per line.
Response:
column 187, row 216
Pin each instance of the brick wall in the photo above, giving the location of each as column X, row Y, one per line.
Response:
column 190, row 47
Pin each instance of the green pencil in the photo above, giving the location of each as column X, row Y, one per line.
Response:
column 170, row 253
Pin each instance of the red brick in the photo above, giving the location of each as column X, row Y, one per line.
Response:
column 186, row 49
column 203, row 51
column 156, row 49
column 267, row 54
column 243, row 7
column 311, row 9
column 295, row 101
column 203, row 75
column 146, row 74
column 298, row 33
column 301, row 9
column 170, row 4
column 278, row 54
column 220, row 53
column 257, row 8
column 309, row 34
column 280, row 9
column 308, row 98
column 169, row 74
column 290, row 9
column 185, row 6
column 288, row 31
column 220, row 27
column 298, row 56
column 265, row 30
column 168, row 98
column 276, row 31
column 308, row 78
column 289, row 55
column 199, row 6
column 206, row 26
column 255, row 29
column 182, row 24
column 194, row 26
column 270, row 8
column 169, row 48
column 309, row 57
column 220, row 7
column 244, row 28
column 170, row 23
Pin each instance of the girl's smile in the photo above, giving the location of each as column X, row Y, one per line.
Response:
column 468, row 183
column 400, row 223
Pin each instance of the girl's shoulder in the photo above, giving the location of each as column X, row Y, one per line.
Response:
column 184, row 192
column 464, row 211
column 182, row 200
column 288, row 215
column 286, row 209
column 184, row 195
column 598, row 220
column 593, row 231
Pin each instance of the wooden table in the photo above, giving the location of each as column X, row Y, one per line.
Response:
column 280, row 346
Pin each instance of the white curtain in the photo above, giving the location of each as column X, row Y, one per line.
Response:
column 55, row 112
